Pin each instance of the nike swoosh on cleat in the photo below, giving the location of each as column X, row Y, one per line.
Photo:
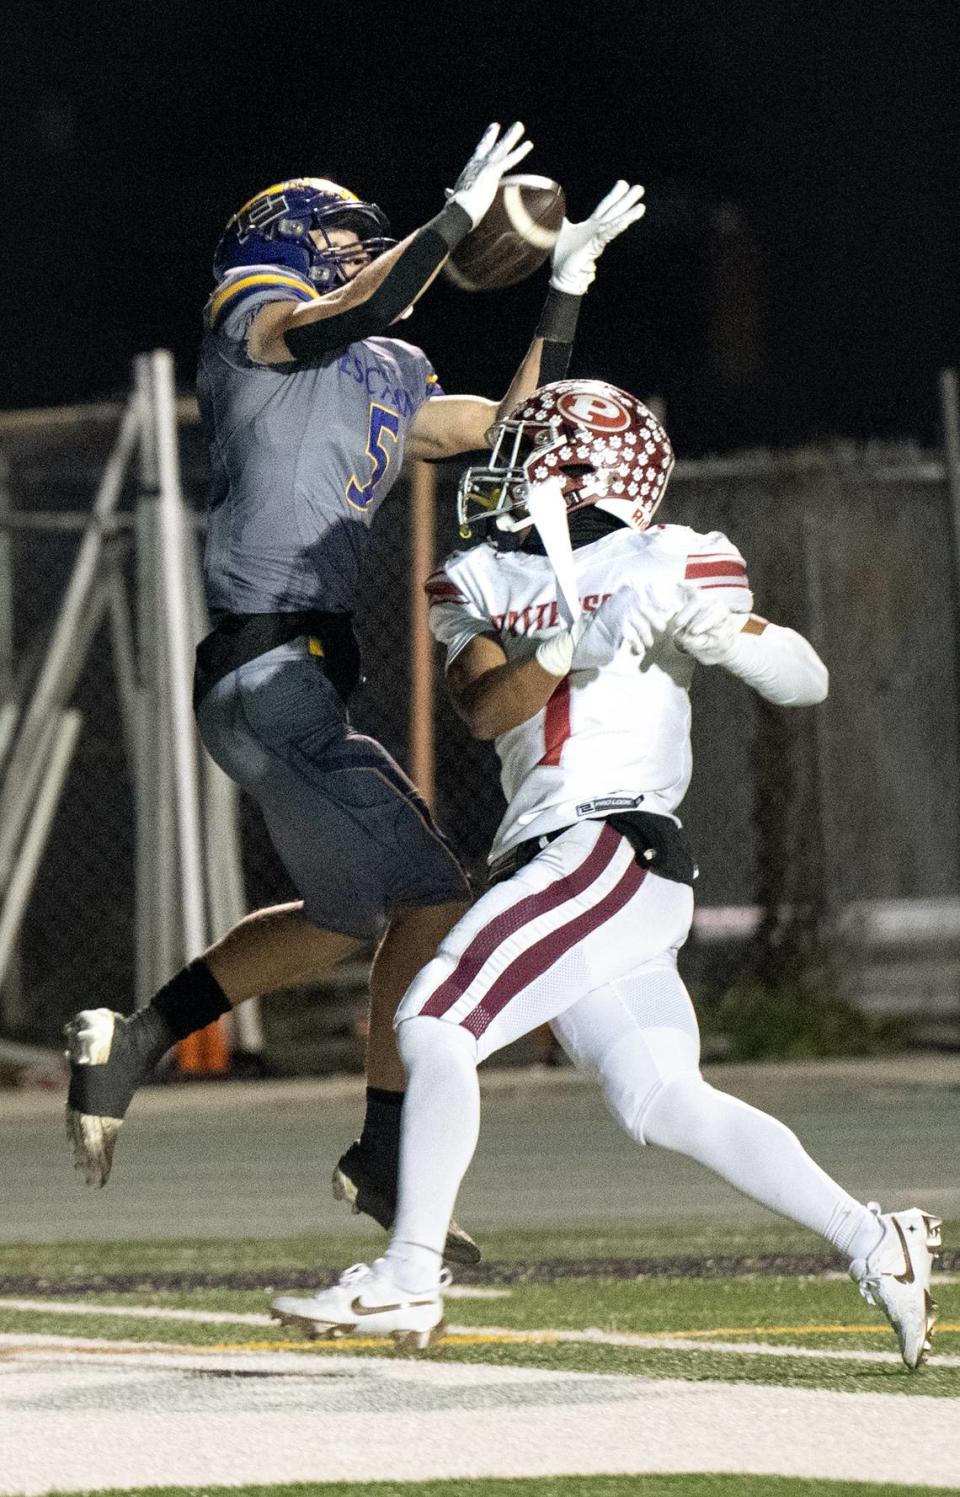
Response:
column 358, row 1309
column 909, row 1276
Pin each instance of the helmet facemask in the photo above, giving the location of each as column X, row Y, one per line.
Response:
column 329, row 262
column 603, row 445
column 276, row 227
column 496, row 493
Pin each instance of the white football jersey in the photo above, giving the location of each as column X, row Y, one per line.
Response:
column 616, row 739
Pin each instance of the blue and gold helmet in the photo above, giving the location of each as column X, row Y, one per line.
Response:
column 274, row 227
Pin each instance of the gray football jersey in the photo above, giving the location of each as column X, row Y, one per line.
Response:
column 301, row 459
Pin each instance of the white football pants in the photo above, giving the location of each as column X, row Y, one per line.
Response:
column 583, row 918
column 579, row 916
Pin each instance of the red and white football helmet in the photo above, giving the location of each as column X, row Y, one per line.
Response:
column 603, row 444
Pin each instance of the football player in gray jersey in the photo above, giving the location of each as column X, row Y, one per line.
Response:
column 308, row 406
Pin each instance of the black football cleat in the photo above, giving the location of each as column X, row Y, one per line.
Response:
column 356, row 1183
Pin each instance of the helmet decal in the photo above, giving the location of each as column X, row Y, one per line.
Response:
column 603, row 444
column 594, row 411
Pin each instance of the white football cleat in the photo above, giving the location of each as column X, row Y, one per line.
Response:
column 366, row 1303
column 895, row 1276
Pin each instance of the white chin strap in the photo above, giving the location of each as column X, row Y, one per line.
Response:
column 507, row 522
column 548, row 512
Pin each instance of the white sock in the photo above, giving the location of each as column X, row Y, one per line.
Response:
column 439, row 1130
column 761, row 1157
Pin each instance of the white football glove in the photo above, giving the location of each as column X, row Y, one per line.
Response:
column 705, row 628
column 625, row 618
column 579, row 246
column 476, row 186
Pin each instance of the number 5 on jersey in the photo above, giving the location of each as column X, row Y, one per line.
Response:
column 384, row 424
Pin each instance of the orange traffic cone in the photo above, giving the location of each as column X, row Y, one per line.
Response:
column 206, row 1053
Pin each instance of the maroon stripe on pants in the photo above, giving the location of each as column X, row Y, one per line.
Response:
column 486, row 941
column 536, row 959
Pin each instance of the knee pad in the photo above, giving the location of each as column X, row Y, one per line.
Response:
column 422, row 1034
column 683, row 1114
column 635, row 1071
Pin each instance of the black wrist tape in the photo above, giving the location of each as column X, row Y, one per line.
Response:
column 558, row 320
column 452, row 223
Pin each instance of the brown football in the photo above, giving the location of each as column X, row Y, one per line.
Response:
column 513, row 238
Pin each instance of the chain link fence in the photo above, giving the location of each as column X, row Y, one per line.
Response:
column 797, row 818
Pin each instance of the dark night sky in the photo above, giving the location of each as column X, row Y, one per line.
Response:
column 795, row 275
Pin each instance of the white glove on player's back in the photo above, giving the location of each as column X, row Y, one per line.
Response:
column 476, row 186
column 580, row 246
column 705, row 628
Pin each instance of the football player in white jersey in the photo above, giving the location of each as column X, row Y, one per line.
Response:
column 578, row 663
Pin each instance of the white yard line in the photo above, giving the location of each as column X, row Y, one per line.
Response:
column 589, row 1337
column 670, row 1343
column 135, row 1312
column 928, row 1069
column 201, row 1419
column 200, row 1317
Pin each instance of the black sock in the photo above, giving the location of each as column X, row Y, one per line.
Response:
column 380, row 1139
column 190, row 1001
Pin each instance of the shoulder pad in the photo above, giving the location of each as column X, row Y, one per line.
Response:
column 239, row 286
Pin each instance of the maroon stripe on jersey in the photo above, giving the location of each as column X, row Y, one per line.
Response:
column 440, row 588
column 485, row 943
column 556, row 723
column 538, row 958
column 729, row 567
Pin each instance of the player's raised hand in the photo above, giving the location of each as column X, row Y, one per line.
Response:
column 579, row 246
column 705, row 628
column 477, row 184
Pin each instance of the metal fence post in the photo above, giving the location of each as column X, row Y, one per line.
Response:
column 223, row 855
column 63, row 661
column 11, row 997
column 950, row 419
column 423, row 503
column 171, row 574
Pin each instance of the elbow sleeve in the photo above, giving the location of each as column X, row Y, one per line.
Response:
column 781, row 666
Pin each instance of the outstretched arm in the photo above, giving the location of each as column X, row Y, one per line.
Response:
column 450, row 424
column 285, row 332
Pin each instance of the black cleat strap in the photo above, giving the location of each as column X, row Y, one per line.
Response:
column 105, row 1090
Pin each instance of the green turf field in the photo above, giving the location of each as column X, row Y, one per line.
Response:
column 562, row 1486
column 704, row 1240
column 715, row 1325
column 639, row 1315
column 712, row 1306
